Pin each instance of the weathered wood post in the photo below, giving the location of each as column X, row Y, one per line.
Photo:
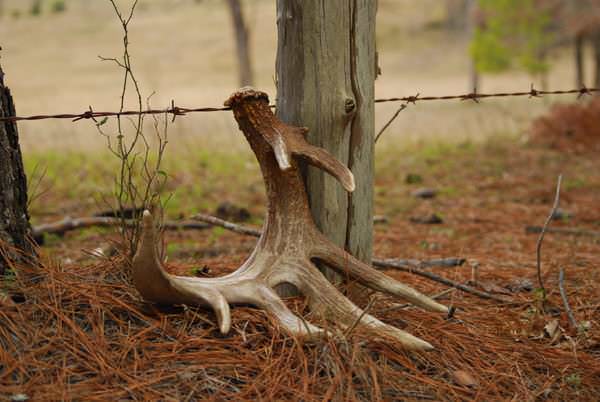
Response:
column 14, row 219
column 325, row 81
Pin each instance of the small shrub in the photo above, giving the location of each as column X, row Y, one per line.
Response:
column 59, row 6
column 570, row 127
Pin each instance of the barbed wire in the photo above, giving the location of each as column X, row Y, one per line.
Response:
column 182, row 111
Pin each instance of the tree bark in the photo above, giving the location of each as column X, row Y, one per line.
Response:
column 14, row 218
column 242, row 43
column 325, row 81
column 579, row 71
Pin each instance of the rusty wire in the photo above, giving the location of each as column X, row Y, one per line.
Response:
column 182, row 111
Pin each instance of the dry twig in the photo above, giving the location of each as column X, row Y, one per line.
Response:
column 541, row 238
column 390, row 121
column 213, row 220
column 439, row 279
column 563, row 295
column 68, row 224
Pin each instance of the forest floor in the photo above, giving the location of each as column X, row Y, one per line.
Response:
column 82, row 332
column 78, row 330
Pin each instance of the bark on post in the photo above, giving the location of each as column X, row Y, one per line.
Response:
column 325, row 81
column 14, row 218
column 241, row 42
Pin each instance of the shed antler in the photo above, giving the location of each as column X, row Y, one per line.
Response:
column 289, row 243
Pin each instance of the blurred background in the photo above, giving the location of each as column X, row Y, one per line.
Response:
column 185, row 50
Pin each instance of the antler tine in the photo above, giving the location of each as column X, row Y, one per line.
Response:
column 324, row 160
column 156, row 285
column 346, row 263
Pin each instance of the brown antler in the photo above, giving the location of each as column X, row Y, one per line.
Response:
column 289, row 243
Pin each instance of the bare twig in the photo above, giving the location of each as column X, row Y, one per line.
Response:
column 563, row 231
column 436, row 262
column 140, row 179
column 35, row 181
column 355, row 323
column 406, row 305
column 542, row 233
column 563, row 295
column 390, row 121
column 213, row 220
column 439, row 279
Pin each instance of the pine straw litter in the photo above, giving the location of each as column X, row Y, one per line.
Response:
column 83, row 333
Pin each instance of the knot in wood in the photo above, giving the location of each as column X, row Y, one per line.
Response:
column 349, row 105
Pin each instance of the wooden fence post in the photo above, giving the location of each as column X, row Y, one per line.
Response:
column 325, row 81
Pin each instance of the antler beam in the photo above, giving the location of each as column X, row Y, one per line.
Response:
column 289, row 243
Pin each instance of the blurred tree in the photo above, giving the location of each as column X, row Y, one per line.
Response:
column 14, row 219
column 457, row 14
column 36, row 7
column 513, row 32
column 581, row 22
column 242, row 43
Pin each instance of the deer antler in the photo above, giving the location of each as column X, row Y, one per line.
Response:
column 289, row 243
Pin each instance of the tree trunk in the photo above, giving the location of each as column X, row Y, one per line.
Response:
column 14, row 219
column 471, row 28
column 579, row 72
column 242, row 43
column 596, row 44
column 325, row 81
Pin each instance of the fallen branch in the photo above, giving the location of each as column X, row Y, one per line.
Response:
column 436, row 262
column 564, row 231
column 563, row 295
column 68, row 224
column 541, row 238
column 214, row 221
column 103, row 219
column 439, row 279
